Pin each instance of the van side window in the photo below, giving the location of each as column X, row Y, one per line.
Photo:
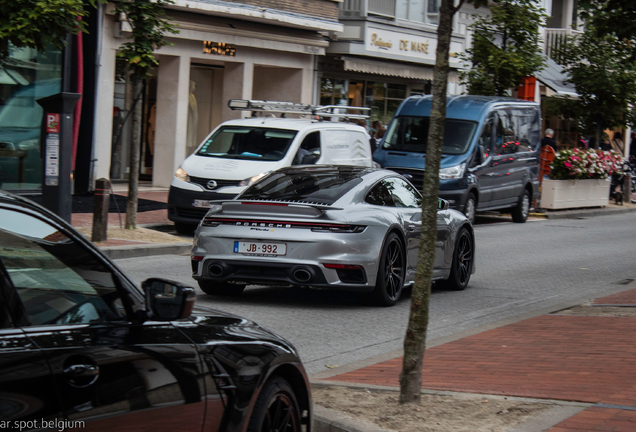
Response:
column 485, row 142
column 506, row 142
column 309, row 150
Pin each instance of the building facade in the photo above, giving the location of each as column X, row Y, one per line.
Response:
column 386, row 52
column 261, row 49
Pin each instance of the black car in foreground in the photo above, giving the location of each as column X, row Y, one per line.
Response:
column 82, row 347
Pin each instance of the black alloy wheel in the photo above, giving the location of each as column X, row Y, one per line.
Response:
column 462, row 266
column 276, row 409
column 390, row 279
column 220, row 288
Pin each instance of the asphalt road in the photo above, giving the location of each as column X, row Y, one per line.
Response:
column 536, row 267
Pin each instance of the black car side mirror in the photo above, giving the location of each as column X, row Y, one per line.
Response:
column 167, row 300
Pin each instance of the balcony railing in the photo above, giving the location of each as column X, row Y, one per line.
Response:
column 554, row 41
column 362, row 8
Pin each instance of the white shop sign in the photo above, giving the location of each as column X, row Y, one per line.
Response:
column 408, row 45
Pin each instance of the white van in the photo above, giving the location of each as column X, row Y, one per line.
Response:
column 239, row 152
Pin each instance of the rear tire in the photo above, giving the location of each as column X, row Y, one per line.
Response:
column 462, row 266
column 391, row 272
column 220, row 288
column 521, row 211
column 184, row 228
column 276, row 409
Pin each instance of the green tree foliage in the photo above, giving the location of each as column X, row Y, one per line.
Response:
column 505, row 47
column 415, row 338
column 617, row 17
column 39, row 23
column 604, row 72
column 149, row 24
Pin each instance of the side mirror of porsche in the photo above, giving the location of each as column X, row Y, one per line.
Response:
column 442, row 204
column 167, row 300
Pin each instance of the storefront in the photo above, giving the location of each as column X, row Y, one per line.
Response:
column 378, row 66
column 212, row 59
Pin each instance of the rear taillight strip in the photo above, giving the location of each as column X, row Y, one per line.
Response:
column 209, row 221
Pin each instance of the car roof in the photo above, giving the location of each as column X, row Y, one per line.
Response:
column 291, row 123
column 457, row 107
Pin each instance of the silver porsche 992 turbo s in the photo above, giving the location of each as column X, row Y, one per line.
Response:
column 336, row 227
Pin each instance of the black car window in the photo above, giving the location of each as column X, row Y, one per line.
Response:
column 316, row 185
column 380, row 195
column 402, row 193
column 309, row 151
column 58, row 280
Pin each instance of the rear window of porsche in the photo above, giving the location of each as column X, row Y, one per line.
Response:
column 320, row 187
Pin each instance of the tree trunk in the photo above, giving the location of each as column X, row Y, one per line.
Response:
column 135, row 145
column 415, row 339
column 599, row 134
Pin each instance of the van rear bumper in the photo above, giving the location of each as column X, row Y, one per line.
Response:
column 181, row 208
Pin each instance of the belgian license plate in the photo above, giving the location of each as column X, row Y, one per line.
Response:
column 259, row 248
column 202, row 203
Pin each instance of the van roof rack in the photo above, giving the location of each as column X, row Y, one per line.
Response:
column 339, row 111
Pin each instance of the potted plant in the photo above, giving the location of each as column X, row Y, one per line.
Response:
column 580, row 178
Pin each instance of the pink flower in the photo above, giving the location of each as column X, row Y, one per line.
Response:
column 568, row 164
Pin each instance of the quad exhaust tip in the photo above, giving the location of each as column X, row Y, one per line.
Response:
column 216, row 270
column 302, row 275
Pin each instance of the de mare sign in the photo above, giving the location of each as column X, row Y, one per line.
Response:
column 219, row 48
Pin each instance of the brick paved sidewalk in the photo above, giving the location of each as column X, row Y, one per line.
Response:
column 576, row 358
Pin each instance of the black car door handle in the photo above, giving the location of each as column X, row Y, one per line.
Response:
column 82, row 370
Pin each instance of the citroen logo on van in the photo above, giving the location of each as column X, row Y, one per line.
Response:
column 211, row 184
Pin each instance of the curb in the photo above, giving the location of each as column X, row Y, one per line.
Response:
column 574, row 214
column 149, row 249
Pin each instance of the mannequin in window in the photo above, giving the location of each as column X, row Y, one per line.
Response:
column 193, row 120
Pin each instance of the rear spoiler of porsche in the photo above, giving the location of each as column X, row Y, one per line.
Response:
column 291, row 204
column 268, row 212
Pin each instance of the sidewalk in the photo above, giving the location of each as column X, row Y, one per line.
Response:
column 582, row 358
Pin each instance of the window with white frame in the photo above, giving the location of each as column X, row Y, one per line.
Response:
column 423, row 11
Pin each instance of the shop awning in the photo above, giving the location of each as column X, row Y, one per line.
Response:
column 554, row 77
column 393, row 69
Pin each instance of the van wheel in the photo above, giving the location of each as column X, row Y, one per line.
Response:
column 521, row 211
column 220, row 288
column 470, row 208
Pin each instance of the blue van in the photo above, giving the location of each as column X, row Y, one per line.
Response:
column 490, row 157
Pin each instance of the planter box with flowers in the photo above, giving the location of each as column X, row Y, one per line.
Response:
column 580, row 178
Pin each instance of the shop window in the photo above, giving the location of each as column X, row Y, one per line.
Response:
column 25, row 77
column 333, row 92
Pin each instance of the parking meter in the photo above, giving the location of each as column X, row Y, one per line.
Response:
column 57, row 152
